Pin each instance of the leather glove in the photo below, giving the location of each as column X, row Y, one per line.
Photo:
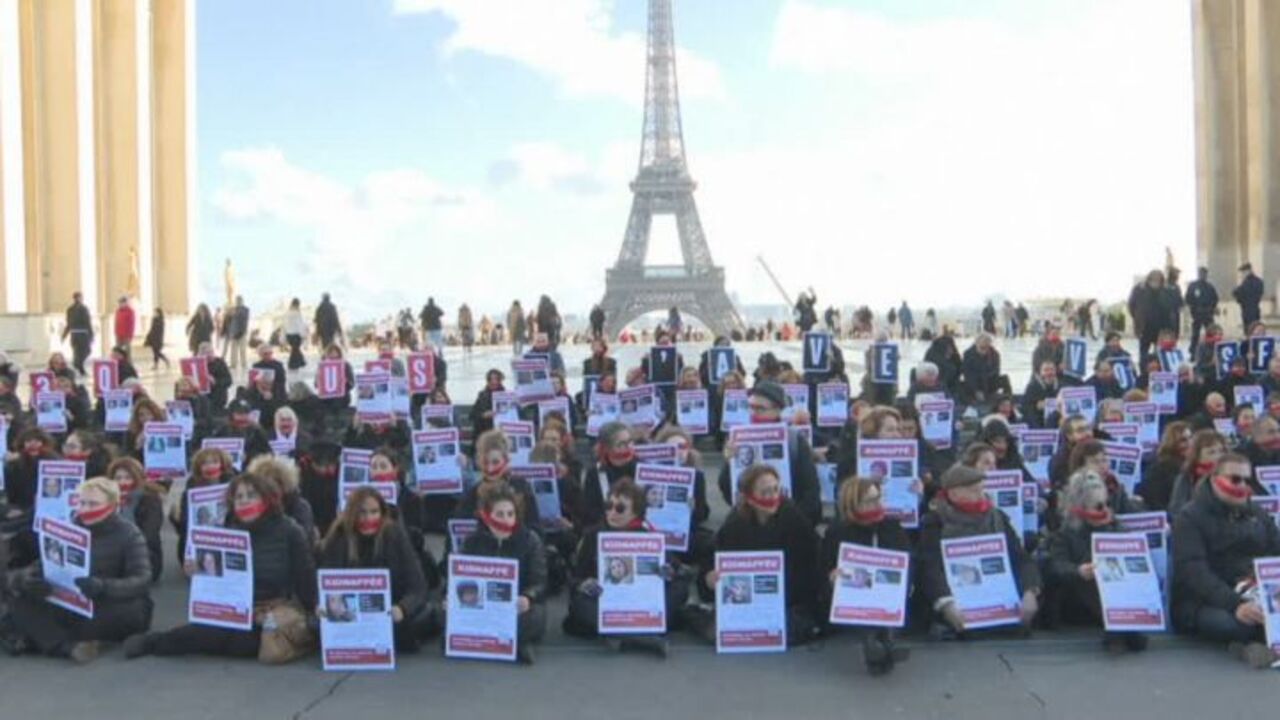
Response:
column 91, row 587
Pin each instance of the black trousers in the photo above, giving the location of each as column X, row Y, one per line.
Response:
column 1196, row 327
column 205, row 640
column 81, row 344
column 53, row 630
column 584, row 610
column 296, row 360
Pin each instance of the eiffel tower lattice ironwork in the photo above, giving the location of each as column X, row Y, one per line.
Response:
column 663, row 186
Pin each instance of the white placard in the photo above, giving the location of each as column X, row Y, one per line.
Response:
column 751, row 602
column 222, row 586
column 870, row 587
column 356, row 629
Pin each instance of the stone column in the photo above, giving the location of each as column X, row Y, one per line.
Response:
column 173, row 164
column 51, row 164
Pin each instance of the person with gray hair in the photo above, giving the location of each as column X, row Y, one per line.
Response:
column 926, row 380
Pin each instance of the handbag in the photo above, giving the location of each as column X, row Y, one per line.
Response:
column 286, row 634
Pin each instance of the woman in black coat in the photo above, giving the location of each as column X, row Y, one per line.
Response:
column 155, row 340
column 503, row 534
column 199, row 328
column 764, row 520
column 118, row 581
column 142, row 505
column 366, row 535
column 283, row 570
column 862, row 521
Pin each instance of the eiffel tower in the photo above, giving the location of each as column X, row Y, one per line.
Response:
column 663, row 186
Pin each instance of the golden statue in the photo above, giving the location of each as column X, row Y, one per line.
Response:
column 229, row 277
column 134, row 286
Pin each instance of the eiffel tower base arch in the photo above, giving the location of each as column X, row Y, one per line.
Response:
column 631, row 294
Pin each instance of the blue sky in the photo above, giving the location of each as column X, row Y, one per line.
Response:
column 479, row 150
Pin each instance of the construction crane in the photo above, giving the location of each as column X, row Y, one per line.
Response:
column 786, row 298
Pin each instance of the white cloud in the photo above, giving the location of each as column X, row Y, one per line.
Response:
column 574, row 42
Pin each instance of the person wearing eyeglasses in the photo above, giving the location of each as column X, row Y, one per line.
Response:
column 1216, row 538
column 765, row 403
column 1070, row 571
column 624, row 513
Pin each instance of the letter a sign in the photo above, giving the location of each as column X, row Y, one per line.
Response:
column 422, row 373
column 1077, row 350
column 331, row 379
column 817, row 352
column 721, row 362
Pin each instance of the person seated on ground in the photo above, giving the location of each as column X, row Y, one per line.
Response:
column 1069, row 572
column 982, row 378
column 240, row 424
column 1207, row 447
column 1237, row 377
column 615, row 460
column 319, row 481
column 1214, row 408
column 765, row 402
column 87, row 447
column 502, row 533
column 1075, row 430
column 1042, row 387
column 624, row 513
column 927, row 381
column 209, row 466
column 141, row 503
column 201, row 420
column 1112, row 347
column 118, row 584
column 1243, row 417
column 482, row 407
column 494, row 463
column 367, row 536
column 1271, row 381
column 219, row 378
column 1216, row 538
column 764, row 518
column 284, row 473
column 1103, row 381
column 861, row 520
column 284, row 580
column 945, row 356
column 961, row 509
column 542, row 348
column 1171, row 456
column 700, row 537
column 267, row 361
column 1262, row 445
column 286, row 431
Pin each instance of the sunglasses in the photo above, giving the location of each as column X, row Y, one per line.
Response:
column 620, row 508
column 1237, row 479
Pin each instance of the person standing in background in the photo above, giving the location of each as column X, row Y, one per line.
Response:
column 79, row 325
column 1249, row 295
column 126, row 322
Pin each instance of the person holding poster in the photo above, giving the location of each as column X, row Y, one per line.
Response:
column 436, row 462
column 494, row 461
column 687, row 456
column 503, row 534
column 367, row 536
column 210, row 467
column 765, row 402
column 241, row 426
column 284, row 586
column 1217, row 537
column 286, row 437
column 615, row 459
column 862, row 522
column 960, row 510
column 763, row 519
column 1098, row 457
column 116, row 582
column 1042, row 387
column 1170, row 459
column 483, row 408
column 335, row 379
column 284, row 473
column 1071, row 573
column 141, row 503
column 1207, row 448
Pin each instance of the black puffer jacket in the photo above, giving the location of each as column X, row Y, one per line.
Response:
column 523, row 546
column 408, row 585
column 145, row 509
column 120, row 560
column 787, row 530
column 1214, row 545
column 283, row 567
column 1072, row 546
column 806, row 492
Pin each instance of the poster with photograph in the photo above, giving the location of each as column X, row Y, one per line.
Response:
column 373, row 397
column 222, row 585
column 533, row 380
column 506, row 407
column 937, row 423
column 693, row 411
column 181, row 414
column 435, row 416
column 760, row 444
column 797, row 401
column 1127, row 583
column 1226, row 427
column 460, row 529
column 1269, row 504
column 480, row 622
column 557, row 405
column 401, row 404
column 656, row 453
column 1251, row 395
column 1037, row 448
column 51, row 411
column 164, row 450
column 233, row 447
column 669, row 492
column 59, row 483
column 117, row 408
column 1146, row 415
column 65, row 556
column 1162, row 389
column 1030, row 509
column 1156, row 527
column 629, row 568
column 833, row 404
column 1004, row 489
column 605, row 408
column 751, row 602
column 1267, row 571
column 355, row 621
column 896, row 463
column 1080, row 400
column 826, row 482
column 639, row 406
column 981, row 581
column 734, row 410
column 870, row 587
column 546, row 492
column 437, row 462
column 520, row 438
column 206, row 508
column 1126, row 463
column 354, row 471
column 1268, row 477
column 1123, row 432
